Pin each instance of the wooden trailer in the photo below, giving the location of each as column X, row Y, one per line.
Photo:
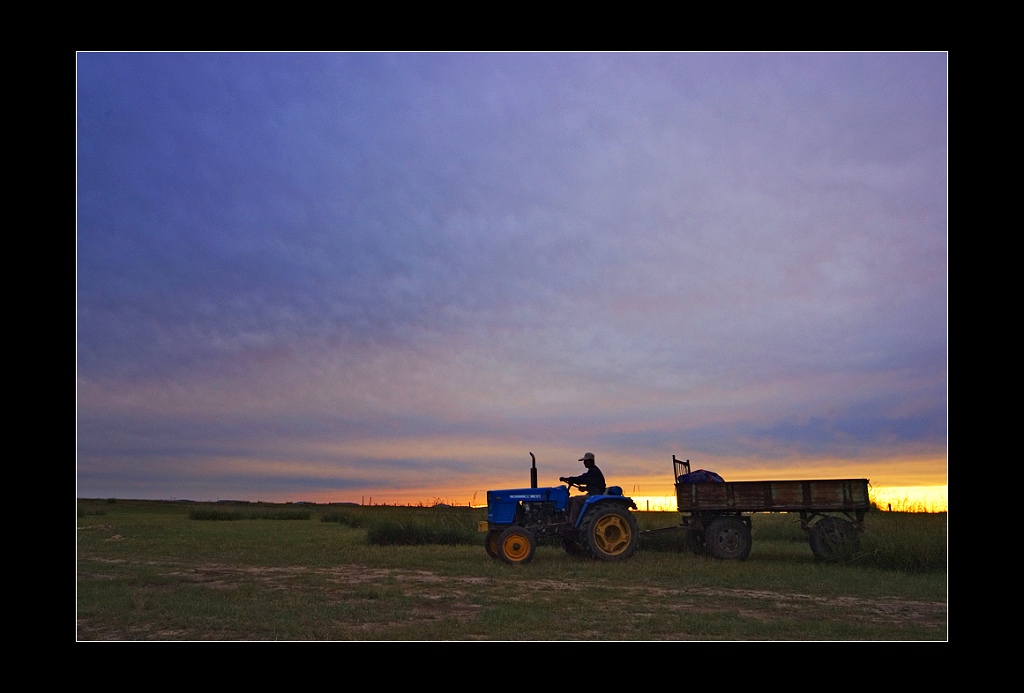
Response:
column 715, row 515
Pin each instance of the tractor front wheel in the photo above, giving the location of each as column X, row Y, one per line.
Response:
column 516, row 545
column 610, row 533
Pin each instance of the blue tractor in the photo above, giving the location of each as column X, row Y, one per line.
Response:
column 520, row 517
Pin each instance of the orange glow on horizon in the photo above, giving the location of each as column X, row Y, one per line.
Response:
column 917, row 499
column 930, row 499
column 905, row 484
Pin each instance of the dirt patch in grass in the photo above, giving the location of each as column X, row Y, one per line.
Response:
column 433, row 596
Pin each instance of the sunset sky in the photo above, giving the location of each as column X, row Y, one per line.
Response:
column 345, row 276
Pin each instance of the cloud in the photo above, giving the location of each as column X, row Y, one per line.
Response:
column 735, row 253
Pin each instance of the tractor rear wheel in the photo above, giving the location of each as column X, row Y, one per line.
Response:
column 516, row 545
column 728, row 538
column 610, row 532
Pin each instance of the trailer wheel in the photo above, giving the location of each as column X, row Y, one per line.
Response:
column 610, row 533
column 491, row 542
column 834, row 539
column 516, row 545
column 728, row 538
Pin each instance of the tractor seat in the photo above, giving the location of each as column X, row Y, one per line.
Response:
column 613, row 491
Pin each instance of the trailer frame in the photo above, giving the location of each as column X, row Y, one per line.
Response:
column 716, row 515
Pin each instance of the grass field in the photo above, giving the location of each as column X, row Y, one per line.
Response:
column 169, row 571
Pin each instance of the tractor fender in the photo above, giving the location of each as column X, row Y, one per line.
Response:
column 588, row 505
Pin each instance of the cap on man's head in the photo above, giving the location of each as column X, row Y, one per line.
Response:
column 587, row 456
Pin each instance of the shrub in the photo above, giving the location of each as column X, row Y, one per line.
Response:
column 423, row 526
column 262, row 514
column 205, row 514
column 270, row 514
column 342, row 518
column 907, row 542
column 415, row 533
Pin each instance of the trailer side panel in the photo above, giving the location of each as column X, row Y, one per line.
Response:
column 774, row 496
